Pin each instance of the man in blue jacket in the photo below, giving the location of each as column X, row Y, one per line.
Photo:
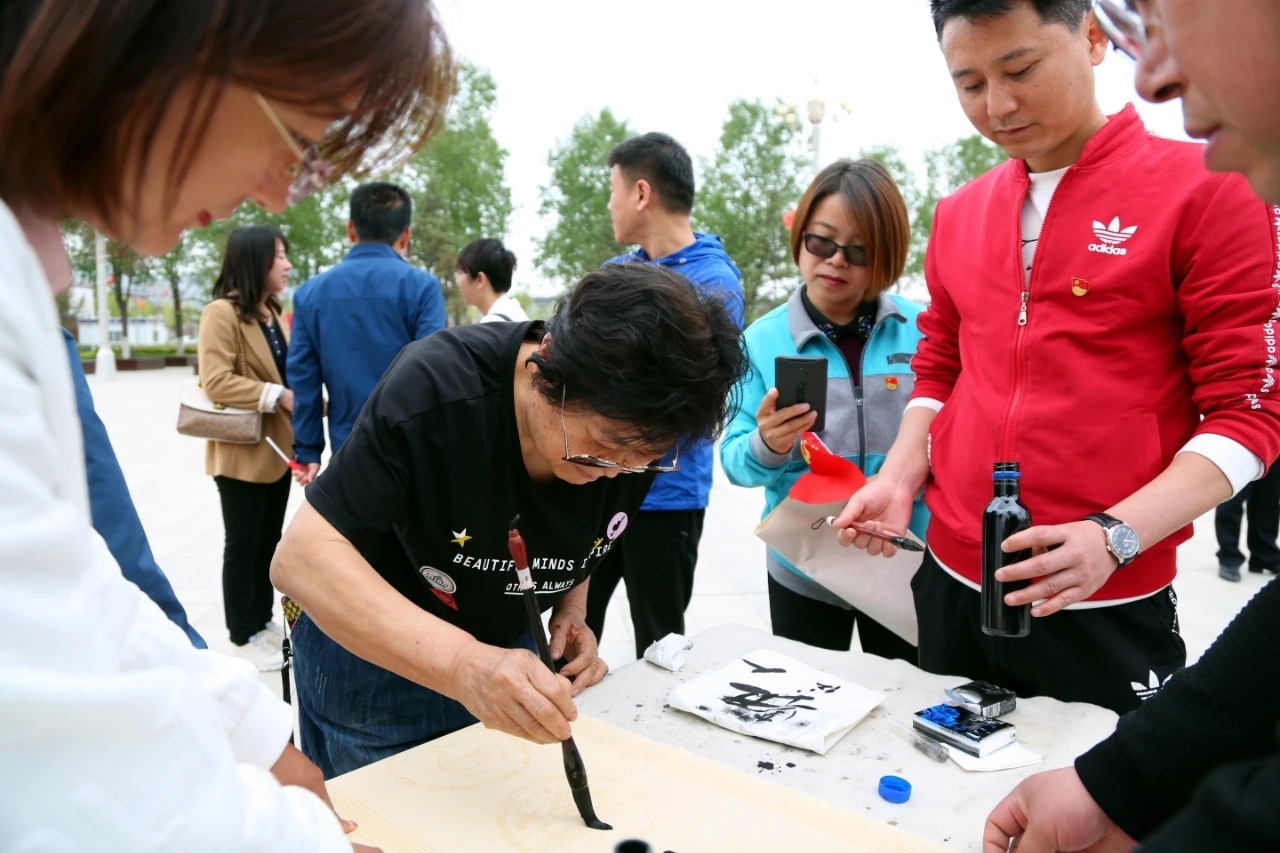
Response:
column 350, row 322
column 112, row 509
column 651, row 196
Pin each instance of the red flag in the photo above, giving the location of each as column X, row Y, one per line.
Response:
column 829, row 478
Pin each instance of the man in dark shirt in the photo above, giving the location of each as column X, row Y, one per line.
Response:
column 351, row 321
column 413, row 617
column 1195, row 768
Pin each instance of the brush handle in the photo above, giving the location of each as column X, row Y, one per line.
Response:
column 535, row 627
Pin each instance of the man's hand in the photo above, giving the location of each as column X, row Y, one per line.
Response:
column 285, row 403
column 1068, row 574
column 308, row 474
column 571, row 636
column 294, row 768
column 1051, row 812
column 780, row 428
column 883, row 505
column 511, row 690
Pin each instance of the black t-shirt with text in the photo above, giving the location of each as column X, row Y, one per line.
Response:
column 432, row 474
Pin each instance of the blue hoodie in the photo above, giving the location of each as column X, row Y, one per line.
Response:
column 349, row 324
column 705, row 263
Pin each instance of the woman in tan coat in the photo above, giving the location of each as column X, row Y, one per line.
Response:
column 243, row 346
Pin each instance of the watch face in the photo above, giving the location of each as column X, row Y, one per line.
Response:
column 1124, row 541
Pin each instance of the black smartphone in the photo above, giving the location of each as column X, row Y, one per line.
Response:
column 802, row 379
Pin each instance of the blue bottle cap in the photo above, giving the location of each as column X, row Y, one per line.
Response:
column 895, row 789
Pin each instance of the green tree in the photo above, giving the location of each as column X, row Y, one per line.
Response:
column 176, row 270
column 316, row 229
column 458, row 183
column 757, row 175
column 947, row 169
column 126, row 270
column 576, row 201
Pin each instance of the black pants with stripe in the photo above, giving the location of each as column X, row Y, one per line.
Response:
column 1115, row 657
column 656, row 560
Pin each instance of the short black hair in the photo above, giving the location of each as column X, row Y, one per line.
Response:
column 490, row 257
column 663, row 162
column 380, row 212
column 250, row 254
column 1069, row 13
column 640, row 345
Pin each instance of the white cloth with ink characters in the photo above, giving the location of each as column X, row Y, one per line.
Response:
column 774, row 697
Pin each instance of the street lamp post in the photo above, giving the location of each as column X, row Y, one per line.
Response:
column 816, row 112
column 105, row 362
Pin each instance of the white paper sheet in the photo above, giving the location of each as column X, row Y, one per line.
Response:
column 771, row 696
column 1009, row 758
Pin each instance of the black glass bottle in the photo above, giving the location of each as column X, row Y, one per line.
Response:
column 1004, row 516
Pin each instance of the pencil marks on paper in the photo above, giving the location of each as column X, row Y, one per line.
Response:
column 451, row 766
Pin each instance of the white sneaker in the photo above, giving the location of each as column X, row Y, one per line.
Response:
column 263, row 650
column 274, row 629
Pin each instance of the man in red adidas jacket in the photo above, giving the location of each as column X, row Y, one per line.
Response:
column 1103, row 313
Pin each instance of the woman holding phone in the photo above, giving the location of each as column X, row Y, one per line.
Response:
column 849, row 238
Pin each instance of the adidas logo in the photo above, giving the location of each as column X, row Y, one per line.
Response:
column 1153, row 685
column 1110, row 237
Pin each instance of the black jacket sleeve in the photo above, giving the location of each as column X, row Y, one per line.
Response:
column 1236, row 810
column 1224, row 709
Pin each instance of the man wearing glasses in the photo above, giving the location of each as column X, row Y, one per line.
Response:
column 1196, row 768
column 1111, row 303
column 414, row 623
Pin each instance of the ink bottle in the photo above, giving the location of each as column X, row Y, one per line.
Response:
column 1004, row 516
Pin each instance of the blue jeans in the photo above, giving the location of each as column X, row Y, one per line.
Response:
column 352, row 713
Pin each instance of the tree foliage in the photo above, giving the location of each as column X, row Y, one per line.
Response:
column 576, row 201
column 947, row 169
column 316, row 229
column 458, row 183
column 756, row 176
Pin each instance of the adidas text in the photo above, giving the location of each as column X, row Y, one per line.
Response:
column 1103, row 249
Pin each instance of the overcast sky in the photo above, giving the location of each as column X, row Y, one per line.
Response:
column 674, row 66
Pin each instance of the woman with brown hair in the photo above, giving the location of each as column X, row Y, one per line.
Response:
column 243, row 347
column 144, row 118
column 849, row 237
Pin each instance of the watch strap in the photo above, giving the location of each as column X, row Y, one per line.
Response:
column 1108, row 523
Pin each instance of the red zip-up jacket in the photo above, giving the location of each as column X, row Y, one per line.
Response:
column 1149, row 317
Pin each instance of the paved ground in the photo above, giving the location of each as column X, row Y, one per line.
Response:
column 179, row 507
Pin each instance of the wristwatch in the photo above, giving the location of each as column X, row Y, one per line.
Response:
column 1122, row 540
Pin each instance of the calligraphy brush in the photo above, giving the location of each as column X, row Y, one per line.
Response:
column 574, row 769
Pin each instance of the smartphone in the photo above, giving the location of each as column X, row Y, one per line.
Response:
column 802, row 379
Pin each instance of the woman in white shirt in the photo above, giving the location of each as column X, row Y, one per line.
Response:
column 484, row 280
column 145, row 118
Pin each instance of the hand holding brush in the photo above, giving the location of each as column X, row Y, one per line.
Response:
column 574, row 768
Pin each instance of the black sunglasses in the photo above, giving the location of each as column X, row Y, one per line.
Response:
column 825, row 247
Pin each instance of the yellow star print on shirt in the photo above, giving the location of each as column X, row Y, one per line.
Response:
column 461, row 539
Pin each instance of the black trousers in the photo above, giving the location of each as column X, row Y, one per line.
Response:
column 656, row 560
column 1115, row 656
column 1260, row 501
column 253, row 517
column 816, row 623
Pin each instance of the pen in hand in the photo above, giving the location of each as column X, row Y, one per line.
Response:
column 904, row 542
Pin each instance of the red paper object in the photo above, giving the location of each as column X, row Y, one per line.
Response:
column 830, row 477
